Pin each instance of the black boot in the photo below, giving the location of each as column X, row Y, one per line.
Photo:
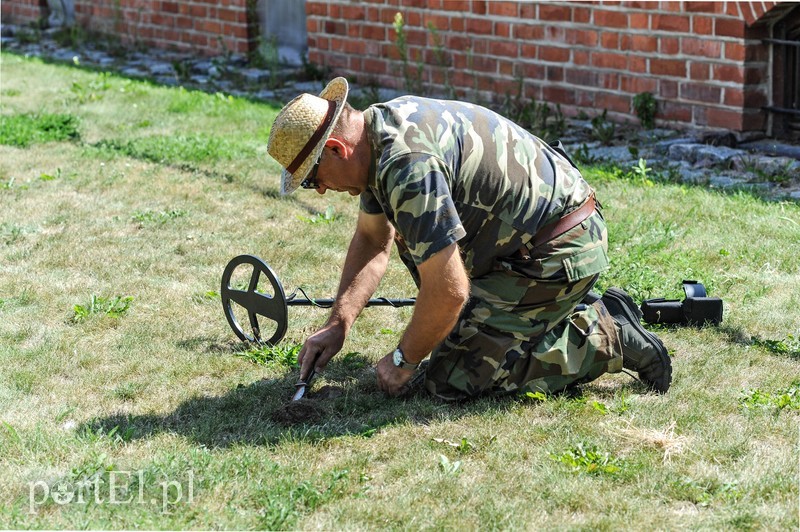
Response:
column 642, row 351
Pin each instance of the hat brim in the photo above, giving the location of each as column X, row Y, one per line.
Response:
column 335, row 91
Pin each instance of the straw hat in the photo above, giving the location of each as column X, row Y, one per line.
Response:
column 301, row 129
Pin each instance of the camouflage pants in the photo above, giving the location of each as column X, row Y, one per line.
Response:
column 524, row 327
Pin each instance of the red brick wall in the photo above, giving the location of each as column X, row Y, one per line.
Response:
column 206, row 27
column 701, row 60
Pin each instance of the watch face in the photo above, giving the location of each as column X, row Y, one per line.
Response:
column 397, row 358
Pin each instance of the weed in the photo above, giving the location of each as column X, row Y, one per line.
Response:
column 51, row 177
column 267, row 56
column 329, row 216
column 464, row 446
column 177, row 148
column 583, row 155
column 599, row 407
column 640, row 173
column 93, row 90
column 588, row 459
column 546, row 122
column 10, row 92
column 413, row 80
column 128, row 391
column 788, row 398
column 645, row 106
column 536, row 396
column 281, row 355
column 447, row 467
column 703, row 492
column 156, row 217
column 603, row 130
column 11, row 233
column 115, row 307
column 789, row 346
column 22, row 130
column 443, row 62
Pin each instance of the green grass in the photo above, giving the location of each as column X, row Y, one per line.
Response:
column 162, row 403
column 22, row 130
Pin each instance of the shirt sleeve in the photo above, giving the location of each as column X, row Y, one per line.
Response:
column 423, row 209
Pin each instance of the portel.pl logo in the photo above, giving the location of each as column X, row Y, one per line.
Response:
column 113, row 487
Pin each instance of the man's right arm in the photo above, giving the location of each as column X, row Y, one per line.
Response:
column 363, row 269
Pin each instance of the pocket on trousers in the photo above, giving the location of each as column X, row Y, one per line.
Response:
column 586, row 263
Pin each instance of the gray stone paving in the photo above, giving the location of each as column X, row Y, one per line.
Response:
column 766, row 166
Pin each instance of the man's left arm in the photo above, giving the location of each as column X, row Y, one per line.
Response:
column 444, row 289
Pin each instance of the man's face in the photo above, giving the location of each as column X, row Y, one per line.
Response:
column 337, row 174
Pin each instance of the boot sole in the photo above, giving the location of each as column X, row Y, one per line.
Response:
column 633, row 315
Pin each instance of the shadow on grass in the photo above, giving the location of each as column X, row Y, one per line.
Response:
column 261, row 413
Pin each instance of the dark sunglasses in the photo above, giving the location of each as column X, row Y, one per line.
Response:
column 311, row 180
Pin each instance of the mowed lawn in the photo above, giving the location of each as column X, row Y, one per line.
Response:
column 127, row 402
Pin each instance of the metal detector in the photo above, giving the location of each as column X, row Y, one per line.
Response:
column 272, row 307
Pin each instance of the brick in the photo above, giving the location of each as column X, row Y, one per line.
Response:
column 671, row 23
column 699, row 71
column 583, row 37
column 609, row 40
column 528, row 32
column 527, row 11
column 734, row 51
column 555, row 13
column 733, row 97
column 504, row 9
column 169, row 7
column 639, row 21
column 613, row 101
column 558, row 95
column 440, row 22
column 581, row 77
column 639, row 43
column 461, row 6
column 480, row 26
column 755, row 75
column 374, row 32
column 675, row 112
column 580, row 57
column 728, row 28
column 610, row 19
column 351, row 13
column 637, row 84
column 554, row 73
column 755, row 98
column 724, row 118
column 553, row 54
column 502, row 30
column 728, row 73
column 609, row 80
column 316, row 9
column 637, row 64
column 702, row 25
column 609, row 60
column 668, row 67
column 700, row 92
column 701, row 47
column 504, row 49
column 703, row 7
column 669, row 45
column 581, row 15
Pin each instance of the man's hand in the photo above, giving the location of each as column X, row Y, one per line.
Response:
column 319, row 348
column 392, row 379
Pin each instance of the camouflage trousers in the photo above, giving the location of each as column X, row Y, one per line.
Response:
column 525, row 328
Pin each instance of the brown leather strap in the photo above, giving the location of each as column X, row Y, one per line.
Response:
column 315, row 138
column 565, row 223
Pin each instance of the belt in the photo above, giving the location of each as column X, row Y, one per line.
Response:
column 562, row 225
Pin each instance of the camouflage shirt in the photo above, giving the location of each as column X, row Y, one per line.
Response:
column 446, row 171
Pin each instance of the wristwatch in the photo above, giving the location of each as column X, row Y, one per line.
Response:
column 400, row 361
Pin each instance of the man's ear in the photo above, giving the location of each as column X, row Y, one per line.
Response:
column 338, row 148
